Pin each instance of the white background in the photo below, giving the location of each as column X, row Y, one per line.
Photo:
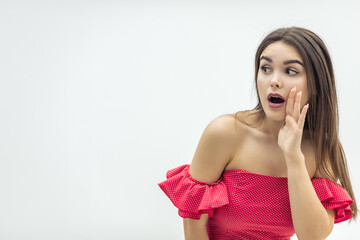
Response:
column 99, row 99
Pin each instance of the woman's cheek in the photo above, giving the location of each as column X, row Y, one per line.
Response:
column 261, row 87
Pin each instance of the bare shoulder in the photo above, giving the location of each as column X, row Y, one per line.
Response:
column 319, row 173
column 229, row 128
column 308, row 149
column 223, row 125
column 214, row 149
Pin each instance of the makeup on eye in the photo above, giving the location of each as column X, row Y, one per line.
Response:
column 264, row 68
column 289, row 71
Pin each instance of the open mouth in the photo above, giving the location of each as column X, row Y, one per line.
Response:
column 276, row 99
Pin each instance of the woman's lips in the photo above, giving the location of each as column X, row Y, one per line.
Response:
column 275, row 95
column 275, row 105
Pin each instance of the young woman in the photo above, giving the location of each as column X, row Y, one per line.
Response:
column 272, row 171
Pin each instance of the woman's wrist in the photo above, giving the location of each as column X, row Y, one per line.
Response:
column 295, row 160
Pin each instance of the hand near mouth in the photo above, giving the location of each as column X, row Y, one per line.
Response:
column 290, row 135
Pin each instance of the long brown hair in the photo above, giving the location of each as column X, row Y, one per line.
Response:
column 322, row 118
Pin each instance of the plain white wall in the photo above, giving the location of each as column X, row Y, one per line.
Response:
column 99, row 99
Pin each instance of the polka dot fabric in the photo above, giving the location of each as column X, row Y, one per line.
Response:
column 246, row 205
column 193, row 197
column 333, row 196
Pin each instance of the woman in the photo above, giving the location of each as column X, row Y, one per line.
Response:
column 272, row 171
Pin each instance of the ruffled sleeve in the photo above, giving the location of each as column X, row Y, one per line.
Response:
column 191, row 196
column 333, row 196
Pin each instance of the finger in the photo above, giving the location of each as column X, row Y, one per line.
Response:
column 290, row 102
column 291, row 124
column 296, row 110
column 302, row 116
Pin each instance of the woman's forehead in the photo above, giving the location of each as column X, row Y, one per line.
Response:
column 281, row 51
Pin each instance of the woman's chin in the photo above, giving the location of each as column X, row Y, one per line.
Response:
column 277, row 117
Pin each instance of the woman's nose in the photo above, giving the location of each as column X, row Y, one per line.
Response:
column 275, row 81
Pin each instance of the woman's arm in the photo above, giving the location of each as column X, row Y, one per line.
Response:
column 196, row 229
column 310, row 219
column 212, row 154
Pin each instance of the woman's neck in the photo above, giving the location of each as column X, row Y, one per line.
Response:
column 271, row 128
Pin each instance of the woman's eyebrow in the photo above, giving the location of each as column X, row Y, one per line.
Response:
column 293, row 61
column 285, row 62
column 266, row 58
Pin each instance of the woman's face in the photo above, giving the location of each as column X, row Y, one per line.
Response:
column 281, row 68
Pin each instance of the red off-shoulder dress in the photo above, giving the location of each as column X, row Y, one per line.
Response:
column 246, row 205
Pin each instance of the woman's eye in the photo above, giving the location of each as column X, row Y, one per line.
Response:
column 291, row 71
column 265, row 69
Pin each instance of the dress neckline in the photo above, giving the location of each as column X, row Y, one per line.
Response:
column 258, row 174
column 262, row 175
